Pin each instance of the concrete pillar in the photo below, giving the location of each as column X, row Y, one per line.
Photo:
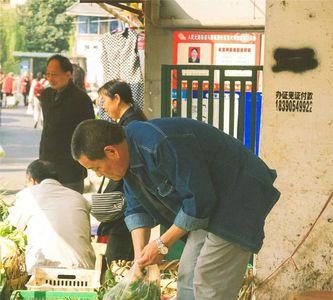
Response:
column 158, row 51
column 297, row 140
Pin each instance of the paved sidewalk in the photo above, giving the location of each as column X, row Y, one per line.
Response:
column 21, row 144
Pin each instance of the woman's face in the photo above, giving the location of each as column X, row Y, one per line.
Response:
column 111, row 105
column 194, row 54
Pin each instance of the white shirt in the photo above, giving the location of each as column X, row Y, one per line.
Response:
column 57, row 223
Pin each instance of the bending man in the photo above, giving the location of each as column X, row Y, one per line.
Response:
column 194, row 180
column 56, row 220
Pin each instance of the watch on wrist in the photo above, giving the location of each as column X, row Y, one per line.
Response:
column 161, row 247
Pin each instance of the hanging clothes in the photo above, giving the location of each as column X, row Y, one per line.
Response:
column 120, row 60
column 141, row 51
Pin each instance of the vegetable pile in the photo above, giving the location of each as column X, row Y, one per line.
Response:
column 3, row 210
column 136, row 290
column 109, row 282
column 12, row 258
column 11, row 237
column 141, row 284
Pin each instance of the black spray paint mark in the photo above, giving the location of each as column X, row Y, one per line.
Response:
column 294, row 60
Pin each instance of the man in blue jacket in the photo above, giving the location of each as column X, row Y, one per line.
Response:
column 194, row 180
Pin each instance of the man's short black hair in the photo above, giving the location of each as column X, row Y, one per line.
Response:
column 39, row 170
column 92, row 136
column 64, row 62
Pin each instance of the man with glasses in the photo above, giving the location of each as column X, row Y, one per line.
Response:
column 64, row 106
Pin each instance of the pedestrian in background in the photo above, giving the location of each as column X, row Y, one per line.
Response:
column 37, row 86
column 2, row 78
column 64, row 106
column 7, row 88
column 25, row 88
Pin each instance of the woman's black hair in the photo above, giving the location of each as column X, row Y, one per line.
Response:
column 119, row 87
column 78, row 77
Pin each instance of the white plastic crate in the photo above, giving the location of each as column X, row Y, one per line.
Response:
column 52, row 279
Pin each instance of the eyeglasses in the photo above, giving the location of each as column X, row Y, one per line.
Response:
column 52, row 75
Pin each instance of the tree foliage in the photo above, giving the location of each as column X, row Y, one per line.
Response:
column 37, row 26
column 47, row 27
column 11, row 39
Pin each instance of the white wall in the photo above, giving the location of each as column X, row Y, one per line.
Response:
column 162, row 17
column 215, row 13
column 300, row 146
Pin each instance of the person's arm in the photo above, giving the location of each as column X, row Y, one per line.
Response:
column 172, row 235
column 140, row 238
column 150, row 254
column 137, row 220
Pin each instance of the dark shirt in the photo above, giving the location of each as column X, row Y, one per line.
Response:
column 190, row 174
column 62, row 112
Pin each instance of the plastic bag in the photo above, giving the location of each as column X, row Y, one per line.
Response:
column 136, row 285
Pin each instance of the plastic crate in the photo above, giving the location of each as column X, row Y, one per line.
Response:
column 52, row 279
column 41, row 295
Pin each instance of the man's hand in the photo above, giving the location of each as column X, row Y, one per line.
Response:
column 150, row 255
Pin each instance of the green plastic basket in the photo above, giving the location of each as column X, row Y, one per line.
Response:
column 41, row 295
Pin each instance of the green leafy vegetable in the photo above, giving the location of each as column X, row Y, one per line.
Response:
column 109, row 282
column 10, row 232
column 3, row 210
column 136, row 290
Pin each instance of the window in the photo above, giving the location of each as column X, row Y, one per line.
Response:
column 96, row 25
column 115, row 25
column 83, row 24
column 93, row 25
column 103, row 25
column 88, row 25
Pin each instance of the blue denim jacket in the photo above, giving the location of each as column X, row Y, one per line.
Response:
column 191, row 174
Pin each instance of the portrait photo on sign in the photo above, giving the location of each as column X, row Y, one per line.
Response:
column 194, row 55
